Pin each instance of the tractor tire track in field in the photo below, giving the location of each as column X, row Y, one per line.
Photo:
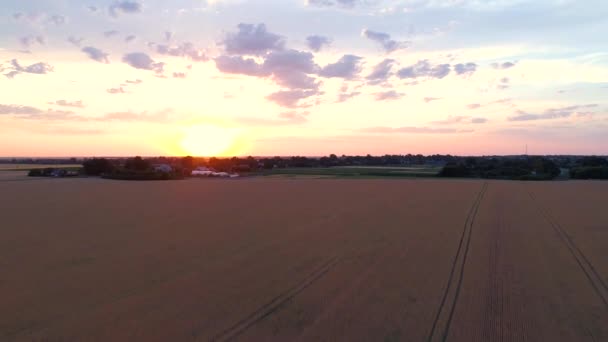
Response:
column 596, row 281
column 443, row 319
column 275, row 304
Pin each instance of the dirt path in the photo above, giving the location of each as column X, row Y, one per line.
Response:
column 521, row 281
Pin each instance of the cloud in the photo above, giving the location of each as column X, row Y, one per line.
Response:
column 347, row 67
column 288, row 68
column 505, row 65
column 431, row 99
column 37, row 68
column 381, row 72
column 424, row 69
column 388, row 95
column 479, row 120
column 118, row 90
column 29, row 112
column 384, row 39
column 239, row 65
column 291, row 98
column 331, row 3
column 553, row 113
column 28, row 41
column 140, row 60
column 96, row 54
column 504, row 83
column 474, row 106
column 125, row 7
column 137, row 81
column 465, row 69
column 110, row 33
column 316, row 42
column 414, row 130
column 75, row 41
column 179, row 75
column 65, row 103
column 186, row 50
column 57, row 20
column 19, row 110
column 162, row 116
column 453, row 120
column 252, row 40
column 130, row 38
column 285, row 118
column 344, row 96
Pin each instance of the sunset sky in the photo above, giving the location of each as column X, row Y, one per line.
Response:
column 297, row 77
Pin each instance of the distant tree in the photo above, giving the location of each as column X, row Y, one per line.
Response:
column 187, row 163
column 137, row 164
column 97, row 166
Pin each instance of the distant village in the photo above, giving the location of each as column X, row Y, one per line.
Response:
column 522, row 167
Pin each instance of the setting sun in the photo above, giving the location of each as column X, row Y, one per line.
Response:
column 206, row 140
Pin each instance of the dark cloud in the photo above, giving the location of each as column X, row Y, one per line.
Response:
column 431, row 99
column 479, row 120
column 65, row 103
column 414, row 130
column 130, row 38
column 553, row 113
column 505, row 65
column 388, row 95
column 348, row 67
column 118, row 90
column 239, row 65
column 288, row 68
column 125, row 7
column 291, row 69
column 93, row 9
column 140, row 60
column 465, row 69
column 96, row 54
column 292, row 98
column 37, row 68
column 384, row 39
column 75, row 41
column 28, row 41
column 252, row 40
column 424, row 69
column 381, row 72
column 186, row 50
column 316, row 42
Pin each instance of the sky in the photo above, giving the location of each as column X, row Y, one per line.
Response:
column 303, row 77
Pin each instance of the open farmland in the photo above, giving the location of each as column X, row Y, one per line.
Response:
column 303, row 259
column 355, row 172
column 27, row 167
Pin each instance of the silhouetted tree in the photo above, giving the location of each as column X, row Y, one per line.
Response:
column 97, row 166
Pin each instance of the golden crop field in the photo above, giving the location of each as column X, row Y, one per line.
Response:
column 303, row 259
